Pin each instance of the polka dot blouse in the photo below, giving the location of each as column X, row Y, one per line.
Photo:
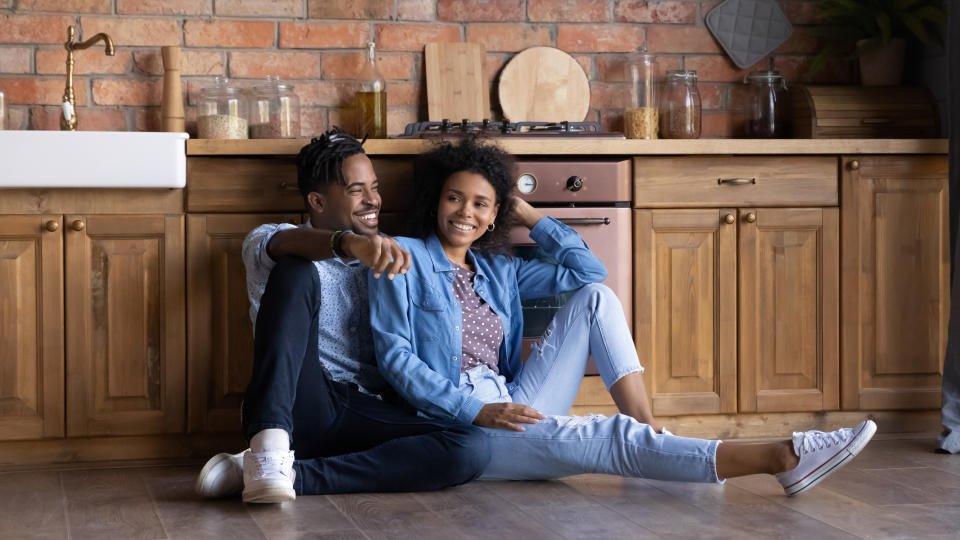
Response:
column 481, row 327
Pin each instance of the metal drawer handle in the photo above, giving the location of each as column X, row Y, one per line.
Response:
column 285, row 185
column 736, row 181
column 585, row 221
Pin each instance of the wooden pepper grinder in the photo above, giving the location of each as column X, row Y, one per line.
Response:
column 171, row 109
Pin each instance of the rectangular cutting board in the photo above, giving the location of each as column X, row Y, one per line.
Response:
column 457, row 86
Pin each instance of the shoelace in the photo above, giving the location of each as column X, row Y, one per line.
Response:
column 818, row 440
column 271, row 465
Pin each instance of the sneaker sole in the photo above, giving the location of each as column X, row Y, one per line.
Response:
column 836, row 462
column 269, row 495
column 208, row 469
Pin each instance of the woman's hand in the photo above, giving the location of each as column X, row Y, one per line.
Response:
column 527, row 214
column 506, row 416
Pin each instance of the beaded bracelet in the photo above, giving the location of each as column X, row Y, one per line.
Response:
column 336, row 244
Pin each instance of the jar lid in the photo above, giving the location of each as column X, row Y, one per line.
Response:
column 645, row 58
column 682, row 74
column 765, row 75
column 220, row 85
column 273, row 85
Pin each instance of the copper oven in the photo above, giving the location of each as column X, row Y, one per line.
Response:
column 593, row 197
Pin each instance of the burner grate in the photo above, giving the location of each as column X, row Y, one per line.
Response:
column 505, row 128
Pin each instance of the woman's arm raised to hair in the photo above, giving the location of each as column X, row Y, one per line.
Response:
column 525, row 213
column 576, row 264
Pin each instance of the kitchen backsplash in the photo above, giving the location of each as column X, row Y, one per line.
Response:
column 318, row 46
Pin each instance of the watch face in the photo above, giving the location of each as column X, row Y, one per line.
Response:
column 526, row 183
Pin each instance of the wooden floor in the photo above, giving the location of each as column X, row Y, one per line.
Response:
column 897, row 488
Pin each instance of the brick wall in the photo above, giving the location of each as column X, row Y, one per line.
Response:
column 318, row 45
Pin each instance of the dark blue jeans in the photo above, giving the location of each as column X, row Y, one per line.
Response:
column 344, row 441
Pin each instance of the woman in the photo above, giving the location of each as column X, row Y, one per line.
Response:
column 447, row 337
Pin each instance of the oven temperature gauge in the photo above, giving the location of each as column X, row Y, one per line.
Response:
column 526, row 183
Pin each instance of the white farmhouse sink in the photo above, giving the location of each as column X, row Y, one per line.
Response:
column 92, row 159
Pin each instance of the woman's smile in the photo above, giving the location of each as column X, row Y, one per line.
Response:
column 467, row 207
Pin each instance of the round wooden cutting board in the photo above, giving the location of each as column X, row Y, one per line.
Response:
column 543, row 84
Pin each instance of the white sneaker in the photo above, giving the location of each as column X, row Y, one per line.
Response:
column 823, row 453
column 221, row 476
column 268, row 477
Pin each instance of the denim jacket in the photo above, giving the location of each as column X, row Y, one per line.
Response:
column 417, row 319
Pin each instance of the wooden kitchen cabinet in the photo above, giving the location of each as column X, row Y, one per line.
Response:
column 709, row 333
column 220, row 335
column 125, row 331
column 737, row 307
column 895, row 279
column 685, row 309
column 31, row 327
column 789, row 298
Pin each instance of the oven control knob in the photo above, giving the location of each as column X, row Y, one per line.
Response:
column 574, row 183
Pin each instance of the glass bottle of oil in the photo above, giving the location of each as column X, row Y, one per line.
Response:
column 372, row 99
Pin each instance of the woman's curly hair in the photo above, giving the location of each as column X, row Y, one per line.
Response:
column 431, row 171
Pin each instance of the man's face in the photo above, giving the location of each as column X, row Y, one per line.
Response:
column 354, row 205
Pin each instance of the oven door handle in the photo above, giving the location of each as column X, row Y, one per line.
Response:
column 585, row 221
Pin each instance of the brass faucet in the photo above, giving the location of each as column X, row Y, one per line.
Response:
column 68, row 112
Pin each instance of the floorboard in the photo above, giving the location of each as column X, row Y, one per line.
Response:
column 897, row 488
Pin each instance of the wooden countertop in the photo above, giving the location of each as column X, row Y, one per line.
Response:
column 618, row 147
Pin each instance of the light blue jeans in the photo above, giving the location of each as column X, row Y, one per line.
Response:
column 591, row 323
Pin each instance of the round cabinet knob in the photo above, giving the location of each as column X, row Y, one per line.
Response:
column 574, row 183
column 729, row 219
column 52, row 225
column 78, row 225
column 854, row 165
column 750, row 218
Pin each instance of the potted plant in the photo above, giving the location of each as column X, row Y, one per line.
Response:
column 877, row 31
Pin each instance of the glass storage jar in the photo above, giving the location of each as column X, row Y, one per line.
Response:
column 763, row 104
column 222, row 111
column 680, row 114
column 274, row 111
column 641, row 119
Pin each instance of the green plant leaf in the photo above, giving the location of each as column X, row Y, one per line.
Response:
column 918, row 28
column 886, row 29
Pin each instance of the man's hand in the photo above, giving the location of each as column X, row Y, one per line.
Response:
column 381, row 253
column 506, row 416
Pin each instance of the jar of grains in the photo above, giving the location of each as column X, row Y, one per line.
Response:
column 680, row 115
column 222, row 111
column 274, row 111
column 641, row 119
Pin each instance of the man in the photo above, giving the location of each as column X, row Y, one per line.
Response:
column 315, row 385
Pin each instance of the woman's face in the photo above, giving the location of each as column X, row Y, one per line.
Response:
column 468, row 205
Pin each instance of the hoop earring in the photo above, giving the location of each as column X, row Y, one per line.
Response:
column 491, row 227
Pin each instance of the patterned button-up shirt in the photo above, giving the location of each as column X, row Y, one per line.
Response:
column 345, row 338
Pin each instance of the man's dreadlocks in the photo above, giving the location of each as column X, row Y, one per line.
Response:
column 320, row 163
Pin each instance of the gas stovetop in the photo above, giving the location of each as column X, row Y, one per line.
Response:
column 505, row 128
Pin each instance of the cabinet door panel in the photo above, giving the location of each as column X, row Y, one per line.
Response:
column 686, row 308
column 896, row 270
column 125, row 327
column 220, row 334
column 789, row 357
column 31, row 328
